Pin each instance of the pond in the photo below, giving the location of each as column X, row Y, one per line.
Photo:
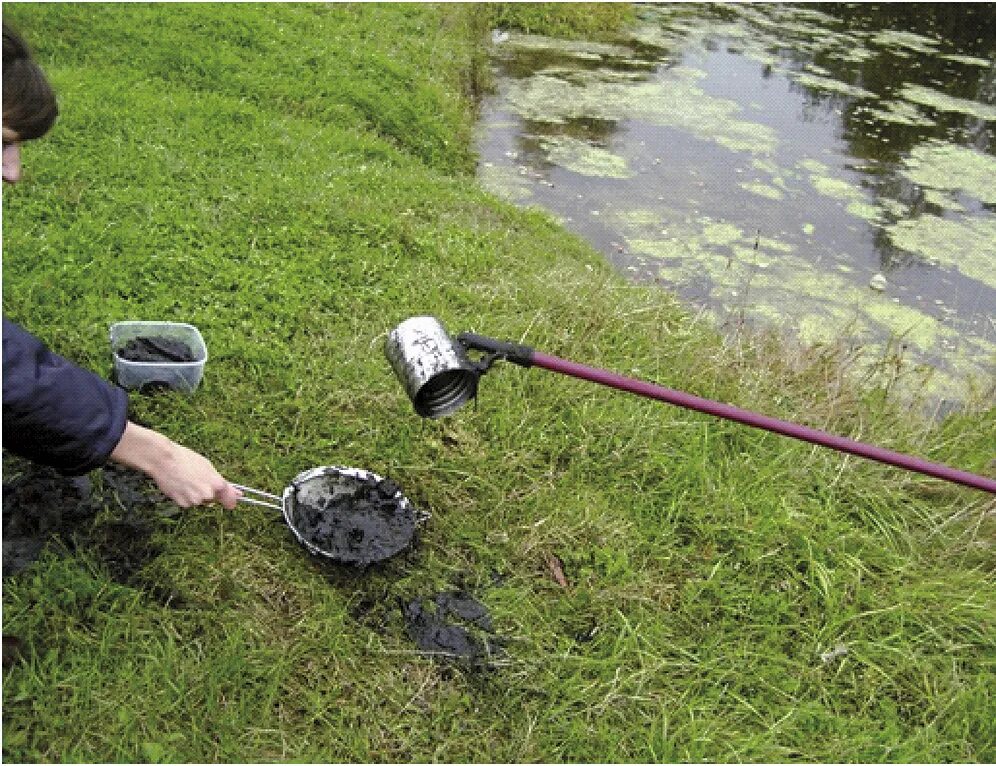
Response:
column 828, row 170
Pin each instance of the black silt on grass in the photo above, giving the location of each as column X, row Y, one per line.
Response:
column 144, row 349
column 361, row 526
column 453, row 625
column 40, row 506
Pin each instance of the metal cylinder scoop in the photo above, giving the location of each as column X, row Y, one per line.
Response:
column 439, row 377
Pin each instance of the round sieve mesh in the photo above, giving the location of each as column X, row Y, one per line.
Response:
column 349, row 515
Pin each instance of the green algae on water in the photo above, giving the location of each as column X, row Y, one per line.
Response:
column 669, row 102
column 945, row 103
column 943, row 200
column 865, row 210
column 965, row 243
column 893, row 207
column 968, row 60
column 900, row 113
column 891, row 38
column 763, row 190
column 721, row 234
column 766, row 165
column 830, row 85
column 814, row 166
column 584, row 158
column 836, row 188
column 714, row 243
column 772, row 278
column 950, row 167
column 667, row 249
column 818, row 305
column 638, row 218
column 856, row 54
column 582, row 49
column 505, row 182
column 687, row 73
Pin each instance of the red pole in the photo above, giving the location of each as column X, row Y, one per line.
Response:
column 796, row 431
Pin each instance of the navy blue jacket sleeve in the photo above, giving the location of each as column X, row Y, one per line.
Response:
column 54, row 412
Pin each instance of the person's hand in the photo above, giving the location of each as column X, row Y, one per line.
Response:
column 188, row 479
column 184, row 476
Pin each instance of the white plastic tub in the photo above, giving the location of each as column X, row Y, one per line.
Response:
column 180, row 376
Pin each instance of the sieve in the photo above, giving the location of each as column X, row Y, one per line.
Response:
column 348, row 515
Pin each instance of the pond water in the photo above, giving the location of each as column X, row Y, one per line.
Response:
column 825, row 169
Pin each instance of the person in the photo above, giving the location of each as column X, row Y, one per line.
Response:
column 55, row 412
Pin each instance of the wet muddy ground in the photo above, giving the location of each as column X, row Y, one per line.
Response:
column 43, row 509
column 826, row 170
column 114, row 513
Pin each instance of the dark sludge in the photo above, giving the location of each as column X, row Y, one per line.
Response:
column 151, row 349
column 41, row 506
column 365, row 524
column 453, row 625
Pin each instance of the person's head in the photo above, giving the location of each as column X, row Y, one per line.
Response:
column 29, row 107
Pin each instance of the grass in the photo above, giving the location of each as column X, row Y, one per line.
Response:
column 296, row 180
column 559, row 19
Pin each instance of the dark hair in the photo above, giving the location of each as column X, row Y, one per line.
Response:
column 29, row 107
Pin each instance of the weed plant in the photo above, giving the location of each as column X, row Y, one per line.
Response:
column 296, row 179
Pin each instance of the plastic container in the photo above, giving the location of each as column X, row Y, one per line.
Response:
column 180, row 376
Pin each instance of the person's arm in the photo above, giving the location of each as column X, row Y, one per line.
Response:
column 58, row 414
column 184, row 476
column 55, row 412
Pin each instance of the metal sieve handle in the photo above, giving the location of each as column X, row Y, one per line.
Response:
column 279, row 505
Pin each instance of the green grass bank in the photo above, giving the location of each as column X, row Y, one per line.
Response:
column 295, row 180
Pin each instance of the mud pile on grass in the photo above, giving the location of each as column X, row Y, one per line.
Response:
column 454, row 626
column 44, row 508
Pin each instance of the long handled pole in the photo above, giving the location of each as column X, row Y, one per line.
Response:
column 784, row 427
column 525, row 356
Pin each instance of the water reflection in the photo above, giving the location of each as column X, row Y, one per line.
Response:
column 828, row 168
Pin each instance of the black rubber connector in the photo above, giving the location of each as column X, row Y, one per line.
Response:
column 510, row 352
